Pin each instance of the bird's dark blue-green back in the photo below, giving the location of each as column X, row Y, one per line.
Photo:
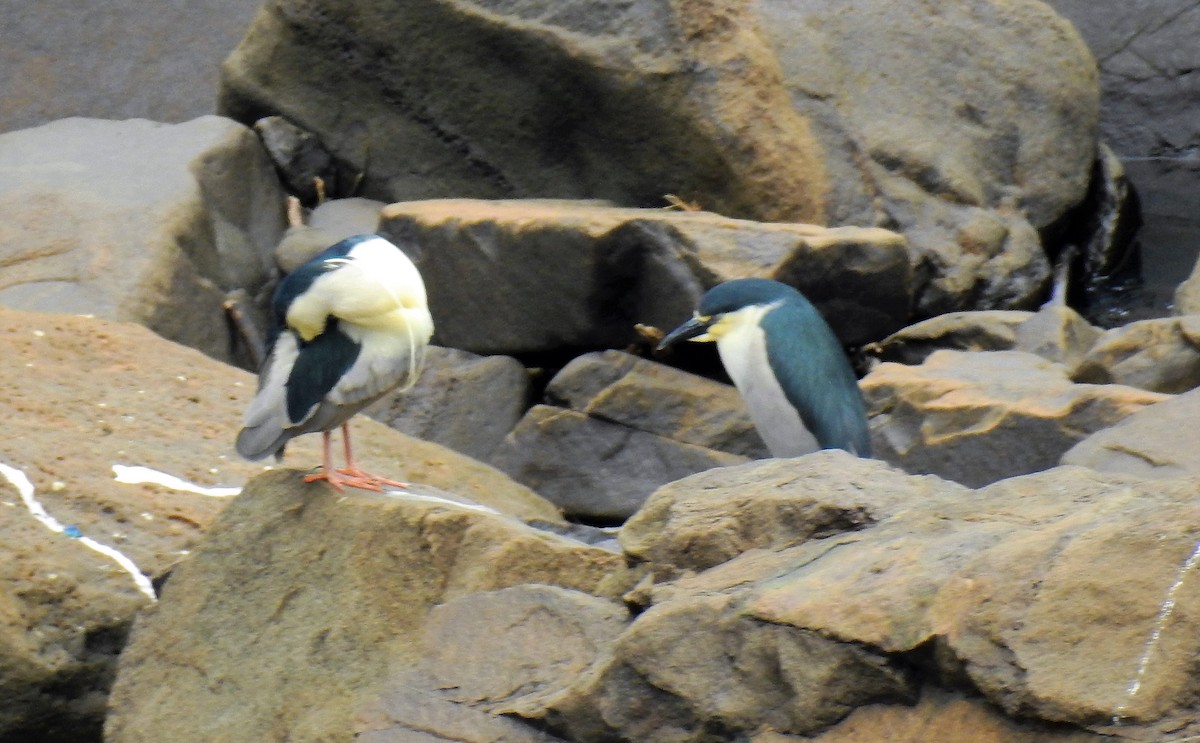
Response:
column 806, row 359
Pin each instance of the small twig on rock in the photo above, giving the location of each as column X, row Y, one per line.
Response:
column 676, row 202
column 319, row 186
column 243, row 324
column 295, row 212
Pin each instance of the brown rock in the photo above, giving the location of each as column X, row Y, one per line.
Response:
column 1162, row 355
column 1056, row 333
column 518, row 647
column 941, row 717
column 1025, row 591
column 984, row 330
column 980, row 417
column 641, row 394
column 82, row 395
column 711, row 517
column 764, row 111
column 294, row 593
column 697, row 669
column 519, row 276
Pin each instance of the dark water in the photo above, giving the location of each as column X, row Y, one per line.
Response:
column 1169, row 189
column 1167, row 244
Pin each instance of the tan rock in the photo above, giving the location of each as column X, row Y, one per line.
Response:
column 1156, row 441
column 941, row 717
column 697, row 664
column 518, row 648
column 295, row 593
column 980, row 417
column 711, row 517
column 770, row 111
column 1029, row 594
column 1056, row 333
column 982, row 330
column 84, row 394
column 1162, row 355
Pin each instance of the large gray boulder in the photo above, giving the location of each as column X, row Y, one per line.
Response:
column 466, row 402
column 138, row 59
column 815, row 113
column 138, row 221
column 617, row 427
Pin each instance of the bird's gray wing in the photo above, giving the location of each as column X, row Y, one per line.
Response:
column 387, row 360
column 266, row 419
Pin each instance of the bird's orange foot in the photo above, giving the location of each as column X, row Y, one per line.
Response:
column 354, row 478
column 357, row 478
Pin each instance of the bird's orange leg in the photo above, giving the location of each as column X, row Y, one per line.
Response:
column 327, row 472
column 356, row 477
column 351, row 475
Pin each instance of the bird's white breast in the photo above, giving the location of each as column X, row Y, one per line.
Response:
column 743, row 349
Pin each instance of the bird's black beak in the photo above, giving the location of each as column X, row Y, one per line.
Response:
column 690, row 329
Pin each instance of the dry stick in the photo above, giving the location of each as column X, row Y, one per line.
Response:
column 235, row 305
column 294, row 213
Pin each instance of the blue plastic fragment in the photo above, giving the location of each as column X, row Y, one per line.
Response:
column 73, row 532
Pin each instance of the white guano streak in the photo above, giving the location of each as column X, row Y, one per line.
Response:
column 139, row 475
column 1164, row 614
column 24, row 487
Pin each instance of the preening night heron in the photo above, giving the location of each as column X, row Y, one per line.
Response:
column 350, row 325
column 787, row 364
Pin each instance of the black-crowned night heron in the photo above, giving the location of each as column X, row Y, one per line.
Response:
column 786, row 363
column 350, row 325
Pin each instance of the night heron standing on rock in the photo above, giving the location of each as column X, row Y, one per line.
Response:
column 786, row 363
column 349, row 326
